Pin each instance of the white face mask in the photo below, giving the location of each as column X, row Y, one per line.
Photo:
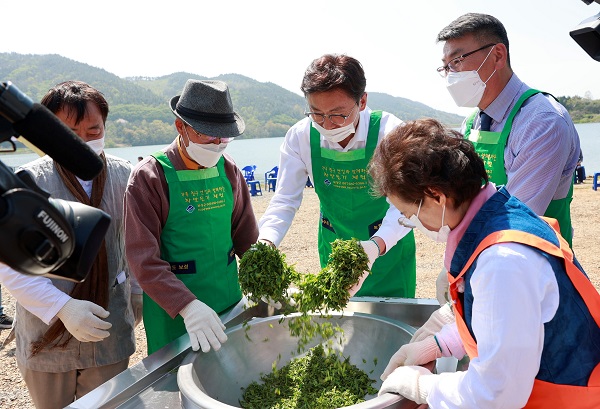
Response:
column 336, row 135
column 466, row 87
column 206, row 155
column 441, row 236
column 97, row 145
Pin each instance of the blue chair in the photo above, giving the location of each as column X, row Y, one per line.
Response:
column 596, row 181
column 271, row 179
column 249, row 172
column 253, row 184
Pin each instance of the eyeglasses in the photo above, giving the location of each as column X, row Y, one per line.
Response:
column 454, row 64
column 206, row 138
column 336, row 119
column 405, row 222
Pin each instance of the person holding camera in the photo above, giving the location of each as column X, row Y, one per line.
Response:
column 72, row 337
column 187, row 215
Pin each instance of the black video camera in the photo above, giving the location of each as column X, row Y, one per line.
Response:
column 40, row 235
column 587, row 34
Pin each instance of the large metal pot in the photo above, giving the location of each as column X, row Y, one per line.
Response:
column 215, row 380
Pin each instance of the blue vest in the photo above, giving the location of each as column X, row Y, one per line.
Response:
column 572, row 338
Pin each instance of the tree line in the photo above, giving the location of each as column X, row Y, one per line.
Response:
column 140, row 112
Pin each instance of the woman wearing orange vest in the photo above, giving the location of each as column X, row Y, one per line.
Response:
column 523, row 309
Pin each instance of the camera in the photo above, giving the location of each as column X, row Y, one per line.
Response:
column 41, row 235
column 587, row 34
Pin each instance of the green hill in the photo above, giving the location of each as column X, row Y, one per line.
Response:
column 139, row 111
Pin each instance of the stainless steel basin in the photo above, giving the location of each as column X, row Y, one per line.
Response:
column 215, row 379
column 152, row 383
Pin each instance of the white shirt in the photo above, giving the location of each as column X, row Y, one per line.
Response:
column 295, row 165
column 36, row 294
column 515, row 292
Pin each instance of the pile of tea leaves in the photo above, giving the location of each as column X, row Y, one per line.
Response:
column 328, row 290
column 264, row 273
column 318, row 380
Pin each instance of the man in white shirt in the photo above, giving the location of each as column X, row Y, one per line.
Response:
column 333, row 146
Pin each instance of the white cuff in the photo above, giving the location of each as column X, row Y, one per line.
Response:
column 425, row 382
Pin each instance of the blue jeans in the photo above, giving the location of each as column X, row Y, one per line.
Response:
column 1, row 306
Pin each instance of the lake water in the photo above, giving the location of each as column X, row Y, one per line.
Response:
column 264, row 153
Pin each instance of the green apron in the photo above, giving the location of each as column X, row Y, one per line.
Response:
column 196, row 241
column 490, row 147
column 348, row 210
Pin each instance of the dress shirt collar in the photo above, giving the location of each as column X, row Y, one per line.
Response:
column 502, row 105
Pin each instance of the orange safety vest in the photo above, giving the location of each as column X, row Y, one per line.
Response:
column 544, row 394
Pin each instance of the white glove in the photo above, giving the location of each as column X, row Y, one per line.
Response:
column 356, row 287
column 82, row 319
column 417, row 353
column 203, row 326
column 372, row 251
column 137, row 305
column 441, row 287
column 412, row 382
column 434, row 324
column 288, row 298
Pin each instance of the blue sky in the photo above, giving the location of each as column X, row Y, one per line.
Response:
column 276, row 40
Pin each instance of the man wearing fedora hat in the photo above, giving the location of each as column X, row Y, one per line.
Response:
column 187, row 215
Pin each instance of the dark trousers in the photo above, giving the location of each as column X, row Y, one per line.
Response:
column 579, row 174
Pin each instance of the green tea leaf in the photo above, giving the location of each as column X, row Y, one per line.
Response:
column 320, row 379
column 263, row 272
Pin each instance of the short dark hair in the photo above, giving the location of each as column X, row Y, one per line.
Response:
column 332, row 71
column 485, row 28
column 74, row 96
column 418, row 156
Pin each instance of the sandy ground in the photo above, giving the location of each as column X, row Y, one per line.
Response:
column 300, row 248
